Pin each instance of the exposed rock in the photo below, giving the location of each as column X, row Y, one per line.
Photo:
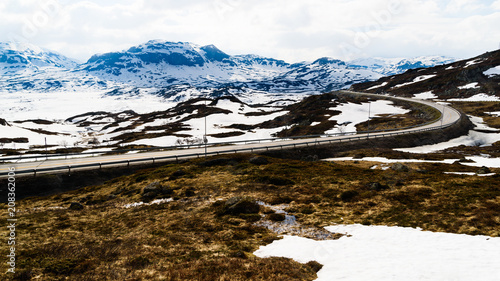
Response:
column 76, row 206
column 241, row 205
column 153, row 187
column 377, row 186
column 398, row 167
column 276, row 217
column 3, row 122
column 349, row 195
column 315, row 266
column 259, row 161
column 154, row 190
column 484, row 170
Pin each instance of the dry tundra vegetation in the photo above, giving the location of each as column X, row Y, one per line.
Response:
column 208, row 230
column 206, row 233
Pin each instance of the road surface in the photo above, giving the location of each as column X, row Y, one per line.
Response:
column 449, row 117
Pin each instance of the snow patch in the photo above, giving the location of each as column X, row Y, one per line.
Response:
column 425, row 96
column 473, row 62
column 474, row 138
column 156, row 202
column 416, row 80
column 479, row 97
column 390, row 161
column 492, row 71
column 393, row 253
column 474, row 85
column 379, row 86
column 353, row 114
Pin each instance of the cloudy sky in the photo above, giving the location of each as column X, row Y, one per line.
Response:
column 293, row 30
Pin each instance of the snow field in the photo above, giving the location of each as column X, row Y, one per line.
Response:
column 353, row 114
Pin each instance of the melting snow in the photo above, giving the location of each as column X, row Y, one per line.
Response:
column 394, row 253
column 156, row 201
column 388, row 161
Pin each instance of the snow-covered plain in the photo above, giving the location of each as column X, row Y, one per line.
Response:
column 57, row 105
column 394, row 253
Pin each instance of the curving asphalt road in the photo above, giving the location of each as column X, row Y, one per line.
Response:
column 449, row 117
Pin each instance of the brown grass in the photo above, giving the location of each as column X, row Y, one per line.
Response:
column 188, row 239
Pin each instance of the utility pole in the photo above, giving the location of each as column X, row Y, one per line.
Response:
column 369, row 113
column 46, row 153
column 205, row 140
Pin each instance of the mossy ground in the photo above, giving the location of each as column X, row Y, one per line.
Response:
column 188, row 239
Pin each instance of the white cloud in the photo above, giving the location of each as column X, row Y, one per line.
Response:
column 496, row 5
column 293, row 30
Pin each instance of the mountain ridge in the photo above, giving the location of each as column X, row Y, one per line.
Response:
column 164, row 64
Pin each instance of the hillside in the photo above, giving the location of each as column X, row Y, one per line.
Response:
column 228, row 119
column 476, row 77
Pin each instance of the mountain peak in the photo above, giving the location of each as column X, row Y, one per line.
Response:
column 213, row 53
column 327, row 60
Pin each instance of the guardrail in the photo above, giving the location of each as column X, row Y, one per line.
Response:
column 153, row 160
column 345, row 137
column 178, row 147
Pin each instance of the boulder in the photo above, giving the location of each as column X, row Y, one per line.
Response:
column 484, row 170
column 276, row 217
column 377, row 186
column 398, row 167
column 241, row 205
column 154, row 190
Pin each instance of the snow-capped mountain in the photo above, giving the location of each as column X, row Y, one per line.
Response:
column 165, row 67
column 15, row 57
column 26, row 67
column 163, row 64
column 392, row 66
